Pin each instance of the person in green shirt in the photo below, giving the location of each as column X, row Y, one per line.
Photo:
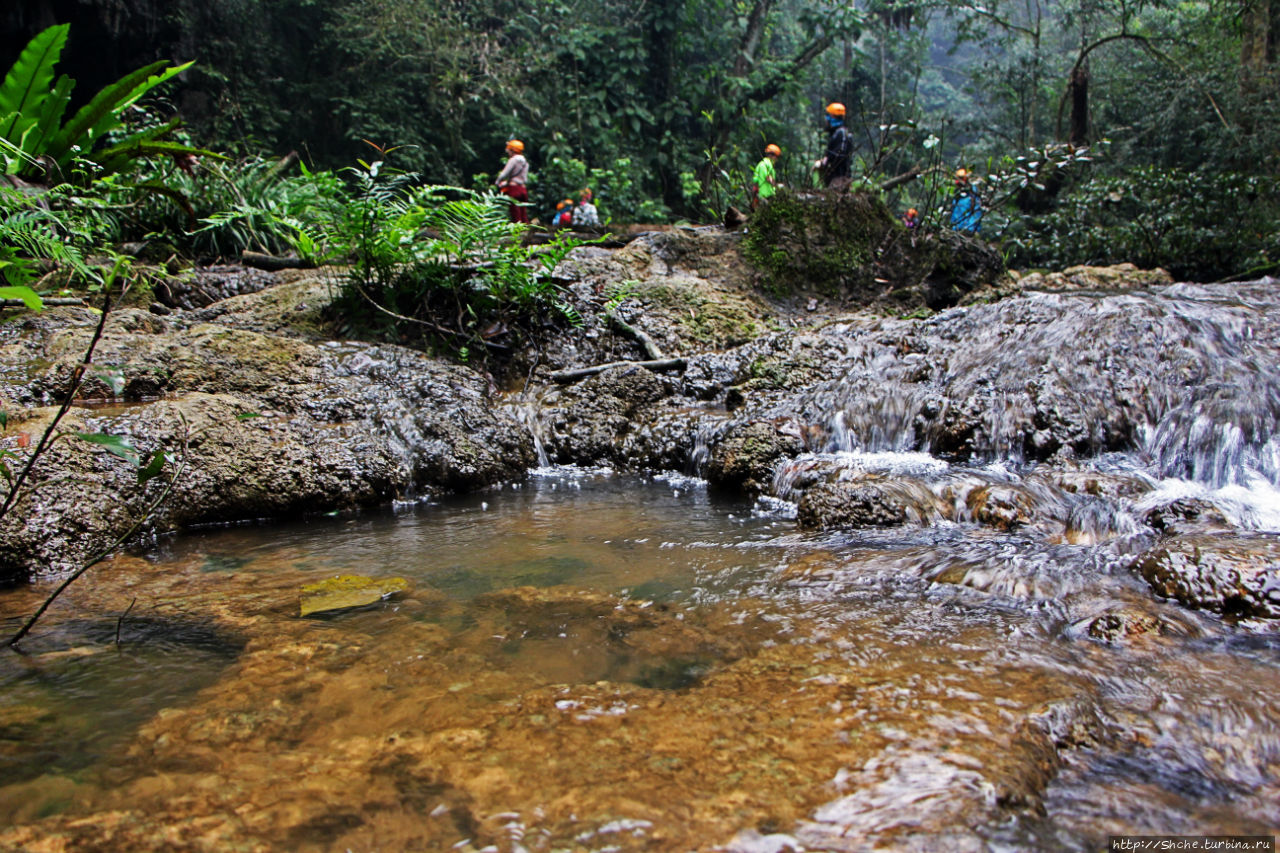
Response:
column 765, row 179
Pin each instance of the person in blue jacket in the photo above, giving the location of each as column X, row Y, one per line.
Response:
column 563, row 217
column 966, row 207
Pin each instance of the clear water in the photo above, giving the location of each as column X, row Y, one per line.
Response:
column 595, row 662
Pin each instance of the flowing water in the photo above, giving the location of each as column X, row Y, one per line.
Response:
column 624, row 663
column 589, row 661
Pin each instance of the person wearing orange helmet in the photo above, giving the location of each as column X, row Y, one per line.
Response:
column 564, row 213
column 911, row 219
column 764, row 181
column 833, row 168
column 513, row 179
column 585, row 214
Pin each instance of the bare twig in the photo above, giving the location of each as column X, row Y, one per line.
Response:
column 50, row 432
column 120, row 621
column 566, row 376
column 646, row 342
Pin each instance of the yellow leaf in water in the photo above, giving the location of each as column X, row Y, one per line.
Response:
column 345, row 591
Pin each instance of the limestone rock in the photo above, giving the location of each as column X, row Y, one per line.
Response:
column 1239, row 576
column 849, row 505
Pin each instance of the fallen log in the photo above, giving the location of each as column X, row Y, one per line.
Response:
column 564, row 377
column 48, row 302
column 272, row 263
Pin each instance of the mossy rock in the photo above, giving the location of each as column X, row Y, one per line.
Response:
column 820, row 241
column 850, row 245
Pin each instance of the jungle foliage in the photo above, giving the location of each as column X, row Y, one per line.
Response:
column 663, row 107
column 39, row 141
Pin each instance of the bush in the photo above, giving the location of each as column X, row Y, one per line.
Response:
column 441, row 265
column 618, row 195
column 217, row 211
column 1198, row 226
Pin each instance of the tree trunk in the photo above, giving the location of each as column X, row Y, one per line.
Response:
column 1258, row 41
column 1078, row 135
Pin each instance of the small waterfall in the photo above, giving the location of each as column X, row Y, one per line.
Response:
column 1183, row 378
column 525, row 407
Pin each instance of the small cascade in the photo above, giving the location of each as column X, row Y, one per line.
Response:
column 525, row 406
column 1181, row 377
column 931, row 492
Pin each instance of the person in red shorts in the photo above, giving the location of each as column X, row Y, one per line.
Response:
column 512, row 180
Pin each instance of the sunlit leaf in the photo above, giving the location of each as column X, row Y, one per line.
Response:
column 26, row 295
column 118, row 445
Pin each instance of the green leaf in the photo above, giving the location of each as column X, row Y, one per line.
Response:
column 28, row 296
column 115, row 444
column 102, row 113
column 245, row 416
column 153, row 467
column 30, row 79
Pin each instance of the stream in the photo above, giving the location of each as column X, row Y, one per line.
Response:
column 602, row 662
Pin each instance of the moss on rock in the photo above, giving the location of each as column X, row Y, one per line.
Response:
column 849, row 244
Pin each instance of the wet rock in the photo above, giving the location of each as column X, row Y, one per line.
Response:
column 206, row 285
column 839, row 505
column 1117, row 277
column 587, row 423
column 1001, row 507
column 1187, row 515
column 1118, row 626
column 269, row 425
column 1238, row 576
column 747, row 456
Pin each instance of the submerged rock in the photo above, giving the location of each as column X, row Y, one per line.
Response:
column 1238, row 576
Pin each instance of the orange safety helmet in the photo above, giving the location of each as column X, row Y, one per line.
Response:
column 835, row 109
column 773, row 149
column 962, row 176
column 586, row 194
column 912, row 212
column 515, row 145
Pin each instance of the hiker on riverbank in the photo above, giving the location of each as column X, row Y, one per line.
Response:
column 585, row 213
column 833, row 168
column 564, row 214
column 765, row 178
column 512, row 181
column 966, row 207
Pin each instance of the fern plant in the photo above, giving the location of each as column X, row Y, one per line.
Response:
column 33, row 107
column 33, row 232
column 441, row 263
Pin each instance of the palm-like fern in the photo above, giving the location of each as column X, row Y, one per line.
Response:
column 33, row 106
